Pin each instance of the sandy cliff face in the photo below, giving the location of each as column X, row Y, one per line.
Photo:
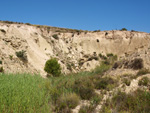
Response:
column 75, row 51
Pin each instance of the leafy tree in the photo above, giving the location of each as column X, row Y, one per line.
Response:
column 52, row 67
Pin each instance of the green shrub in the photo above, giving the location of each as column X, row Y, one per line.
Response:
column 53, row 67
column 102, row 56
column 10, row 57
column 110, row 55
column 21, row 55
column 123, row 29
column 144, row 81
column 136, row 102
column 1, row 70
column 0, row 62
column 68, row 101
column 102, row 68
column 105, row 83
column 55, row 36
column 85, row 88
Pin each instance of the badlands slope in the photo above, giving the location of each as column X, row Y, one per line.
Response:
column 76, row 50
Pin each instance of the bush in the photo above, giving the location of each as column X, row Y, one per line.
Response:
column 136, row 102
column 68, row 101
column 21, row 55
column 1, row 70
column 55, row 36
column 85, row 88
column 0, row 62
column 123, row 29
column 137, row 63
column 144, row 81
column 105, row 83
column 102, row 56
column 110, row 55
column 53, row 67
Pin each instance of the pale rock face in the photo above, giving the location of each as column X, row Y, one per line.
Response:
column 71, row 49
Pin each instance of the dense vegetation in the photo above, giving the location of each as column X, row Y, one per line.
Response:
column 25, row 93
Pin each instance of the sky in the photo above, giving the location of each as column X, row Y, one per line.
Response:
column 80, row 14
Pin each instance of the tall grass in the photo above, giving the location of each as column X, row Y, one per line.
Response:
column 22, row 93
column 25, row 93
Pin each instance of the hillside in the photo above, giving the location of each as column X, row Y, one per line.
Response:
column 76, row 50
column 104, row 71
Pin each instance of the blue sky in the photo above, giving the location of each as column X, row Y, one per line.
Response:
column 80, row 14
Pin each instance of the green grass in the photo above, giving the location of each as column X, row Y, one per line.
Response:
column 23, row 93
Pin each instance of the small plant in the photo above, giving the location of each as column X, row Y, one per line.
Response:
column 21, row 55
column 55, row 36
column 110, row 55
column 1, row 70
column 0, row 62
column 102, row 56
column 27, row 23
column 10, row 57
column 53, row 67
column 144, row 81
column 127, row 81
column 68, row 101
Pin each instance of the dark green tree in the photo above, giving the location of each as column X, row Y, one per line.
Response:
column 52, row 67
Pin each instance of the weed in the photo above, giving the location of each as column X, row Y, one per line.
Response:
column 144, row 81
column 21, row 55
column 10, row 57
column 143, row 72
column 127, row 81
